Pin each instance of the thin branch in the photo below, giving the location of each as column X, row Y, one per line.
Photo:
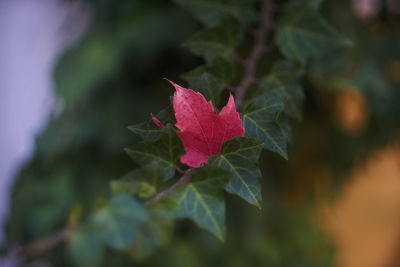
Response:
column 185, row 179
column 259, row 48
column 179, row 170
column 41, row 246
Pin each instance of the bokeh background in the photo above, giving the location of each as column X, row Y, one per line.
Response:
column 74, row 75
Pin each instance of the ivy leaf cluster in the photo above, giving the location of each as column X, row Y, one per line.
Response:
column 139, row 217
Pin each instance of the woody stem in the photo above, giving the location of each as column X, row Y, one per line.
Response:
column 250, row 63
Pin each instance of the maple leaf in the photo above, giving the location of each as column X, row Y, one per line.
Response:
column 202, row 130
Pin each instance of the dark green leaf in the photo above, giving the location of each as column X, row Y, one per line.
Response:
column 149, row 131
column 285, row 77
column 240, row 156
column 208, row 85
column 310, row 3
column 220, row 68
column 202, row 200
column 166, row 151
column 286, row 128
column 260, row 120
column 302, row 33
column 216, row 42
column 119, row 220
column 211, row 12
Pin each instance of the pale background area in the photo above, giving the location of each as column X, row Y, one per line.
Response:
column 32, row 35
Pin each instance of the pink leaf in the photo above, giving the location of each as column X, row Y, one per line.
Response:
column 203, row 131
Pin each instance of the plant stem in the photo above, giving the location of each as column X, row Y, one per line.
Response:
column 250, row 63
column 185, row 179
column 40, row 246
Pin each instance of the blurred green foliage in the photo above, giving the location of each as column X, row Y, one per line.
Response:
column 113, row 78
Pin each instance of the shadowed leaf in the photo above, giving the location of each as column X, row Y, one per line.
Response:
column 303, row 33
column 217, row 41
column 211, row 12
column 285, row 77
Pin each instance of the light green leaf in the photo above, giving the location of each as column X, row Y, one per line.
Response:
column 202, row 200
column 260, row 120
column 240, row 156
column 302, row 33
column 217, row 41
column 119, row 220
column 142, row 182
column 166, row 151
column 85, row 246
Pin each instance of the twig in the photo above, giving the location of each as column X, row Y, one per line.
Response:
column 259, row 48
column 179, row 169
column 185, row 179
column 40, row 246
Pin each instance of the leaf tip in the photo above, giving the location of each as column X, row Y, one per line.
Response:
column 178, row 88
column 285, row 156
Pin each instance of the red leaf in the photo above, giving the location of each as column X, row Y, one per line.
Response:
column 203, row 131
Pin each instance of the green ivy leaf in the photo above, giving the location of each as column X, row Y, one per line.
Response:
column 260, row 120
column 85, row 246
column 286, row 128
column 208, row 85
column 166, row 151
column 217, row 41
column 240, row 156
column 149, row 131
column 219, row 68
column 142, row 182
column 202, row 200
column 119, row 220
column 285, row 77
column 302, row 33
